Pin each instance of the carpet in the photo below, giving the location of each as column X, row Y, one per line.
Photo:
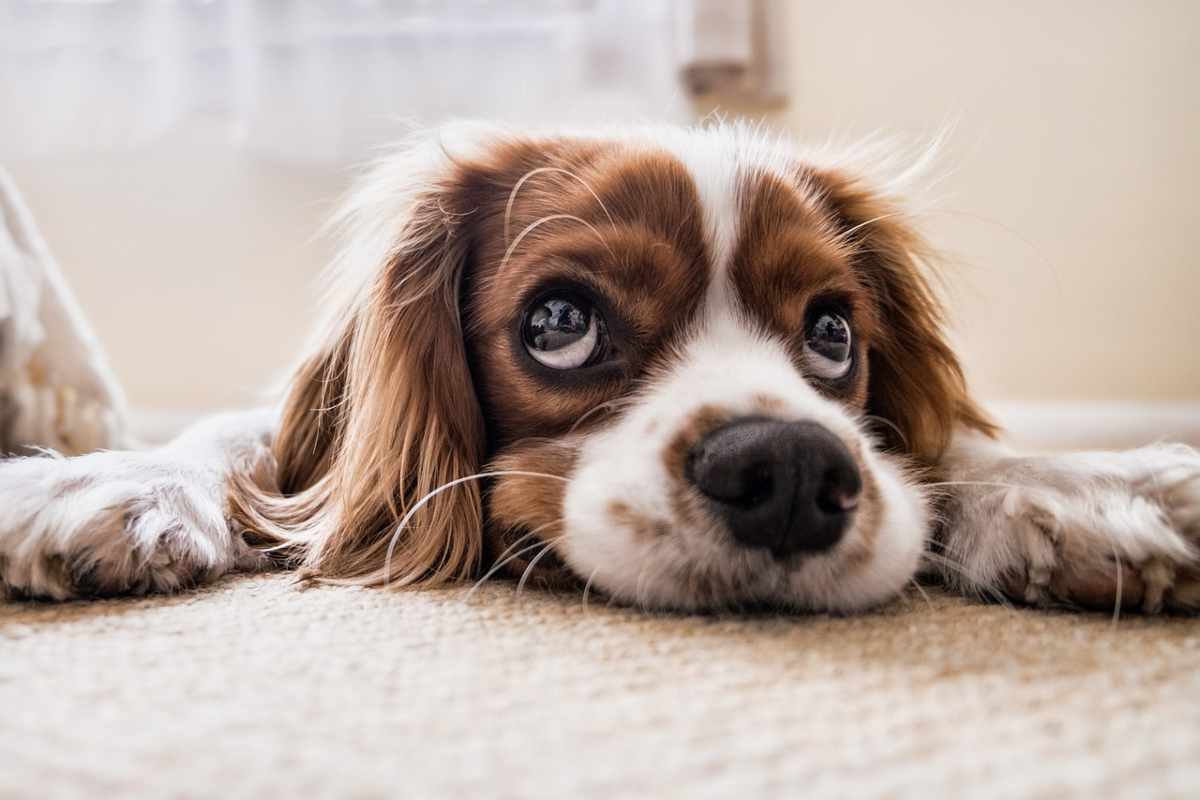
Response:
column 253, row 688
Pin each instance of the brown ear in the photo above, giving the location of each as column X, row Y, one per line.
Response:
column 382, row 415
column 916, row 382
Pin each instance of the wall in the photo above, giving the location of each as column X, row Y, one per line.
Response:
column 1069, row 204
column 1071, row 198
column 196, row 264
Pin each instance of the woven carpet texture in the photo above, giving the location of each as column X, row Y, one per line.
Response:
column 254, row 688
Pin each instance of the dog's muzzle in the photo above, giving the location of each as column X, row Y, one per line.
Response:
column 789, row 487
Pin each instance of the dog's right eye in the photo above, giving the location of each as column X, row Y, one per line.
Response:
column 563, row 332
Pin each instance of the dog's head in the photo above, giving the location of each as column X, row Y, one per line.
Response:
column 691, row 366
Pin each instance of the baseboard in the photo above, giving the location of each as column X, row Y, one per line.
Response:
column 1069, row 426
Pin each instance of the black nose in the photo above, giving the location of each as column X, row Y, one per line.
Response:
column 786, row 486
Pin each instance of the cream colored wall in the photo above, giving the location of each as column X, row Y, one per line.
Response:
column 195, row 264
column 1075, row 164
column 1070, row 206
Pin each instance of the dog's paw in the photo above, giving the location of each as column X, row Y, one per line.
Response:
column 112, row 523
column 1100, row 530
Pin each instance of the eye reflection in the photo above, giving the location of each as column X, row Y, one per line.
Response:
column 562, row 332
column 827, row 346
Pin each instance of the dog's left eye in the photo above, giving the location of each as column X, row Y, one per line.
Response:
column 827, row 346
column 563, row 333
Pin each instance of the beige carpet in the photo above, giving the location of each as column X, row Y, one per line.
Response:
column 254, row 689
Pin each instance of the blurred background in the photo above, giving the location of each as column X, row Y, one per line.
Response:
column 182, row 155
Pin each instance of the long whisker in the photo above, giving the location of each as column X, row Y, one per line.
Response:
column 917, row 585
column 888, row 423
column 539, row 222
column 587, row 587
column 533, row 562
column 845, row 235
column 501, row 564
column 512, row 196
column 501, row 560
column 593, row 410
column 387, row 561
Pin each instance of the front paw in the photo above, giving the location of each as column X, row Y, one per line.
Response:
column 110, row 523
column 1099, row 530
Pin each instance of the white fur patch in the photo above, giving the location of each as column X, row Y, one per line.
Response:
column 729, row 367
column 126, row 522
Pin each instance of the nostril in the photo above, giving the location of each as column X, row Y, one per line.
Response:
column 839, row 488
column 783, row 486
column 833, row 499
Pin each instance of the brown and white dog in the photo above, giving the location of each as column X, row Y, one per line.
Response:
column 688, row 369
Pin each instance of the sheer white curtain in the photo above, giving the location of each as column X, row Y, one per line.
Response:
column 305, row 79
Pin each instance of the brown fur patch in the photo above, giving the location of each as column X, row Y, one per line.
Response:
column 529, row 506
column 425, row 379
column 640, row 525
column 702, row 422
column 825, row 236
column 767, row 404
column 636, row 246
column 686, row 504
column 915, row 382
column 789, row 257
column 392, row 407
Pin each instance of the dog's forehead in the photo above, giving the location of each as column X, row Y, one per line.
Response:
column 671, row 231
column 725, row 201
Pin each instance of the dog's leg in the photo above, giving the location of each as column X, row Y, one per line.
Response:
column 133, row 521
column 1098, row 529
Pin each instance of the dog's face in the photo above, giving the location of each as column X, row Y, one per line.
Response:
column 693, row 367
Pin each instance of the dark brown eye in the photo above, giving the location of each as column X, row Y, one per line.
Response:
column 827, row 346
column 563, row 332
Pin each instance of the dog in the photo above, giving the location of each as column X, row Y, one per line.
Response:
column 688, row 369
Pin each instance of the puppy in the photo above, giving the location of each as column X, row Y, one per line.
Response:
column 687, row 369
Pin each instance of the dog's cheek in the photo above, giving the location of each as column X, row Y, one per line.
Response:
column 526, row 498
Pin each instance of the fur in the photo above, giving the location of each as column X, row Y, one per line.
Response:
column 420, row 444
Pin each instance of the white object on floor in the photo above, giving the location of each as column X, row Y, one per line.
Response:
column 56, row 388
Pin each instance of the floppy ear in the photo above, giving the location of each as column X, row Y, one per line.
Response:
column 383, row 413
column 916, row 382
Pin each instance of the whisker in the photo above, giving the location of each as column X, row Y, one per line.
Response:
column 587, row 588
column 501, row 560
column 594, row 409
column 533, row 562
column 1112, row 543
column 512, row 196
column 501, row 564
column 917, row 585
column 539, row 222
column 890, row 424
column 387, row 561
column 844, row 236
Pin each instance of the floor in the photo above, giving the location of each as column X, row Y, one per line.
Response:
column 254, row 688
